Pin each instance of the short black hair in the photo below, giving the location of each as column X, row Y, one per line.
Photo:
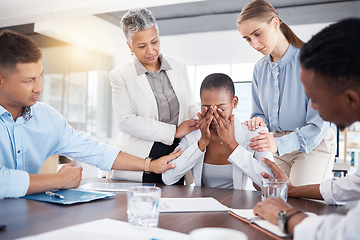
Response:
column 16, row 48
column 334, row 54
column 218, row 81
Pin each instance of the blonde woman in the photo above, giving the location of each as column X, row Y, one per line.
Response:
column 303, row 144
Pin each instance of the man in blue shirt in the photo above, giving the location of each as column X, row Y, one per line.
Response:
column 31, row 131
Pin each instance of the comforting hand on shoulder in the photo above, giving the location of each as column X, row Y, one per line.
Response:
column 186, row 127
column 255, row 123
column 163, row 164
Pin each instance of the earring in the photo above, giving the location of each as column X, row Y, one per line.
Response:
column 132, row 54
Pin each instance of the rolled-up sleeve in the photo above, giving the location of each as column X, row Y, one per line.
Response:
column 77, row 145
column 331, row 226
column 339, row 190
column 13, row 183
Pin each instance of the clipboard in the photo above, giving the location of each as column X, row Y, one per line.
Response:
column 71, row 196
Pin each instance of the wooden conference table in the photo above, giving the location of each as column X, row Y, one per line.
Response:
column 24, row 217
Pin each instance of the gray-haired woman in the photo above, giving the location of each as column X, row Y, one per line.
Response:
column 152, row 100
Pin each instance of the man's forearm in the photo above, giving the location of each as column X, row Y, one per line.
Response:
column 128, row 162
column 306, row 191
column 44, row 182
column 295, row 220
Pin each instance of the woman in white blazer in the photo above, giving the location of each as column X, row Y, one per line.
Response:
column 152, row 99
column 218, row 153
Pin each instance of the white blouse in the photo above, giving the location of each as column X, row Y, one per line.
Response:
column 246, row 163
column 217, row 176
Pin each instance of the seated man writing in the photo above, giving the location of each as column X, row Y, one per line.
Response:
column 31, row 131
column 330, row 73
column 218, row 153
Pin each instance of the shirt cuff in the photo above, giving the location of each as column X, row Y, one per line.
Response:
column 19, row 183
column 109, row 157
column 287, row 143
column 307, row 228
column 326, row 192
column 171, row 141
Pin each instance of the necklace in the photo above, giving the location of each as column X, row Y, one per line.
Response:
column 221, row 143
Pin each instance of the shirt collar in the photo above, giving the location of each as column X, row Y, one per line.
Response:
column 2, row 110
column 289, row 54
column 26, row 112
column 140, row 69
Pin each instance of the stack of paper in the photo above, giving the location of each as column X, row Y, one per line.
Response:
column 110, row 229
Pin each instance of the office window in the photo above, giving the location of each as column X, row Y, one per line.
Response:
column 243, row 92
column 242, row 72
column 199, row 72
column 76, row 84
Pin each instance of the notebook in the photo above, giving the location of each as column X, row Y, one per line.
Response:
column 248, row 216
column 71, row 196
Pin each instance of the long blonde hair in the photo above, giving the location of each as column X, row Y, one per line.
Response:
column 262, row 10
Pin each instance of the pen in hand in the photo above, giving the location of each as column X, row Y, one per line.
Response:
column 51, row 194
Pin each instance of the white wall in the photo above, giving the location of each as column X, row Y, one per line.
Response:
column 221, row 47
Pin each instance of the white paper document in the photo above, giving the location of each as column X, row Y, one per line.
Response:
column 204, row 204
column 109, row 229
column 112, row 187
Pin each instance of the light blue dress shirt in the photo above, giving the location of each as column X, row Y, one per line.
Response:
column 26, row 144
column 280, row 100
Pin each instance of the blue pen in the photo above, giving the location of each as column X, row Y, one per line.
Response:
column 51, row 194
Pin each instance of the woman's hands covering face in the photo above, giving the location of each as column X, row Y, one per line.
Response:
column 225, row 129
column 205, row 118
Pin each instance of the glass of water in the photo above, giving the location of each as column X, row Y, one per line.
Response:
column 143, row 206
column 273, row 188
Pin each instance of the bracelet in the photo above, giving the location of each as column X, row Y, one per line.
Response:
column 147, row 165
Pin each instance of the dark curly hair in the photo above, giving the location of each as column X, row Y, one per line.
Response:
column 334, row 54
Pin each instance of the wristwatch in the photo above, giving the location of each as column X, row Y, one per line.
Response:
column 284, row 216
column 147, row 165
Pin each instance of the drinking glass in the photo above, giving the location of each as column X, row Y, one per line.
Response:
column 143, row 205
column 274, row 188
